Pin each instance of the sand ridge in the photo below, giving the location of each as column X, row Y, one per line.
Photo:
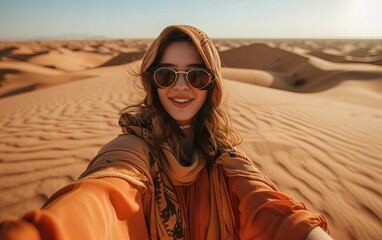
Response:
column 318, row 138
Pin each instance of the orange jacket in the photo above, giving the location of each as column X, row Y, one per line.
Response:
column 112, row 207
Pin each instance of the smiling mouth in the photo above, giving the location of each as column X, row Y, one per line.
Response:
column 181, row 100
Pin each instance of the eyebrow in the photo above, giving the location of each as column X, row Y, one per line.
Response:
column 189, row 65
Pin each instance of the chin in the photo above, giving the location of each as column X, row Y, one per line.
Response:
column 183, row 120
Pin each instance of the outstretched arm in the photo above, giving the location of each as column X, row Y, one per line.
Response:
column 105, row 208
column 268, row 214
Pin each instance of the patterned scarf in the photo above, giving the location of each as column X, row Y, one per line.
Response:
column 129, row 157
column 165, row 172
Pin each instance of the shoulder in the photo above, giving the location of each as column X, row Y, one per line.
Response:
column 237, row 164
column 127, row 148
column 127, row 157
column 128, row 120
column 138, row 125
column 230, row 159
column 123, row 152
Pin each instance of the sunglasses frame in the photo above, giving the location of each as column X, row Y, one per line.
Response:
column 208, row 86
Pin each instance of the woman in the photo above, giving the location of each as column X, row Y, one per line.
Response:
column 174, row 173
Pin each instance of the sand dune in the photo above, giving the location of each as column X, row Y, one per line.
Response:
column 322, row 146
column 377, row 60
column 123, row 58
column 340, row 51
column 28, row 66
column 67, row 60
column 294, row 72
column 252, row 76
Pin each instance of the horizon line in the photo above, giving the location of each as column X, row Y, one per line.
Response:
column 100, row 38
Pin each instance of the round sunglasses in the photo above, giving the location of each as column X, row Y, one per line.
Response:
column 165, row 77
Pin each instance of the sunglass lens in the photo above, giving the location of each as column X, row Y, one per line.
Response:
column 164, row 77
column 198, row 78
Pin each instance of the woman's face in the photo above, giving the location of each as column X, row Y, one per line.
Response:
column 180, row 100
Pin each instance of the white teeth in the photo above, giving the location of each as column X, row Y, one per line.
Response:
column 181, row 100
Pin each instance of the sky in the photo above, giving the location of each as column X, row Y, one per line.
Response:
column 36, row 19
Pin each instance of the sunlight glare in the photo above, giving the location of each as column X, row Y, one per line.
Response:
column 363, row 18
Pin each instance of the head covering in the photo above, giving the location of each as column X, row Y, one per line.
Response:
column 202, row 43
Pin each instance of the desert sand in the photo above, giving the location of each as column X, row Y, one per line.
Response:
column 309, row 111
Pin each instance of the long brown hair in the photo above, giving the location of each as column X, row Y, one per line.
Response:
column 212, row 130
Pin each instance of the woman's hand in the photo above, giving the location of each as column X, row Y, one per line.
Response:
column 318, row 234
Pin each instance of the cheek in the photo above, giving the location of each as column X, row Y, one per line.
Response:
column 162, row 94
column 202, row 97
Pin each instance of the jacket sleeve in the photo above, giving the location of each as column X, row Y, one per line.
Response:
column 107, row 203
column 106, row 208
column 265, row 212
column 268, row 214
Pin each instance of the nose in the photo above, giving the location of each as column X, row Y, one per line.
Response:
column 181, row 82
